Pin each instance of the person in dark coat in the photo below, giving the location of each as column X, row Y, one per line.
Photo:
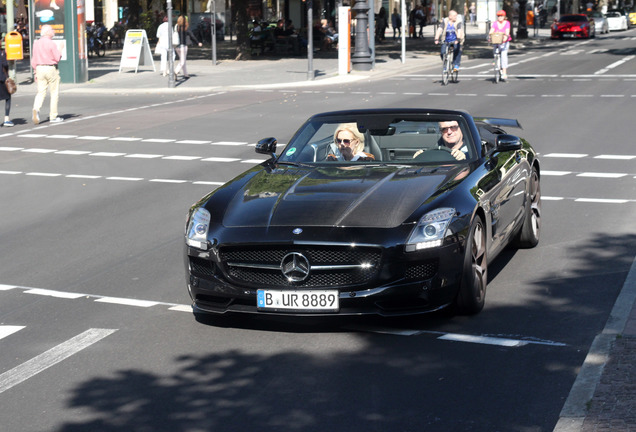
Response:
column 4, row 94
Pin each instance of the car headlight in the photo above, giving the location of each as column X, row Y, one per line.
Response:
column 430, row 230
column 198, row 227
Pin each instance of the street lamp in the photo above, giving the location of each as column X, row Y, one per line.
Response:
column 361, row 58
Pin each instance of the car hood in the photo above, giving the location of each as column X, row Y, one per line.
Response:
column 369, row 196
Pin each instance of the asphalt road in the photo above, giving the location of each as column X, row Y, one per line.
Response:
column 95, row 330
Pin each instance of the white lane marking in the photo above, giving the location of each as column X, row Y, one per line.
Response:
column 485, row 340
column 182, row 158
column 158, row 140
column 7, row 287
column 72, row 152
column 82, row 176
column 7, row 330
column 614, row 65
column 124, row 139
column 38, row 150
column 615, row 157
column 181, row 308
column 106, row 154
column 601, row 200
column 219, row 159
column 41, row 174
column 253, row 161
column 168, row 181
column 92, row 138
column 11, row 172
column 210, row 183
column 125, row 178
column 127, row 302
column 8, row 149
column 32, row 135
column 551, row 198
column 555, row 173
column 144, row 156
column 229, row 143
column 192, row 142
column 51, row 357
column 52, row 293
column 601, row 175
column 61, row 136
column 566, row 155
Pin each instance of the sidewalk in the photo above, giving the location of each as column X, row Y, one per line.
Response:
column 603, row 397
column 265, row 71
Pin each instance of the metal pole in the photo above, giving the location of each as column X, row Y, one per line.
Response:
column 212, row 10
column 170, row 47
column 10, row 16
column 404, row 18
column 310, row 41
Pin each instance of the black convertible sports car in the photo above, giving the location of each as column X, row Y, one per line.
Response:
column 389, row 212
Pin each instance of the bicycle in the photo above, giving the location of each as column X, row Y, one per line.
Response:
column 448, row 72
column 497, row 62
column 496, row 39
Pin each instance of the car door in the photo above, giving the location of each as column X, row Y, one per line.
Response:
column 504, row 188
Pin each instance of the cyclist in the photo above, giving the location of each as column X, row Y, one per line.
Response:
column 451, row 31
column 502, row 25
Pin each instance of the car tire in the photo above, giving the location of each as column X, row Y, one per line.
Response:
column 472, row 287
column 530, row 232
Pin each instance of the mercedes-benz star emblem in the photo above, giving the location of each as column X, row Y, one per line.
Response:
column 295, row 267
column 297, row 231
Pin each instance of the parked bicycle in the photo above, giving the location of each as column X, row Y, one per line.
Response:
column 448, row 72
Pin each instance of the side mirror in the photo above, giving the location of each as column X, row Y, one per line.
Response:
column 508, row 143
column 267, row 146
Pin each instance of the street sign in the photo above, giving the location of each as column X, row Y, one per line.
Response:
column 136, row 51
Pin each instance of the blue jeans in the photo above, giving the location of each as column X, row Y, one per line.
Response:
column 457, row 49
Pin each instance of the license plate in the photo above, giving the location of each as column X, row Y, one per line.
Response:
column 298, row 301
column 568, row 35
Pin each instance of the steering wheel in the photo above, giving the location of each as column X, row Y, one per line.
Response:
column 437, row 154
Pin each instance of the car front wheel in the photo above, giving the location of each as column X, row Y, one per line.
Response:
column 472, row 289
column 528, row 237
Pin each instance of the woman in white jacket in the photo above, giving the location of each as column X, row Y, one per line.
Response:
column 163, row 41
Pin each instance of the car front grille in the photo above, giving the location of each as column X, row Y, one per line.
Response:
column 328, row 266
column 422, row 271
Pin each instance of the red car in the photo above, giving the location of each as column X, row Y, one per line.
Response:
column 573, row 26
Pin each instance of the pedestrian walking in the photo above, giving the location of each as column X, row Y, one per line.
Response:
column 4, row 93
column 185, row 36
column 44, row 60
column 163, row 45
column 396, row 23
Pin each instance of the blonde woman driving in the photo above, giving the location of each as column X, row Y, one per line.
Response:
column 349, row 142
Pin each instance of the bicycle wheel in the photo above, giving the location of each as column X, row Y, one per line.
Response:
column 497, row 68
column 100, row 49
column 446, row 72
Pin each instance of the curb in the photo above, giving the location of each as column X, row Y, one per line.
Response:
column 576, row 405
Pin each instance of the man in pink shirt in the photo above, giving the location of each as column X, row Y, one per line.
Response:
column 44, row 60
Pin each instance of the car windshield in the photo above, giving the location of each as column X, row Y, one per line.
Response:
column 386, row 139
column 572, row 18
column 614, row 15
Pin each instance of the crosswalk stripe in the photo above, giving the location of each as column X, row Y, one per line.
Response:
column 55, row 355
column 7, row 330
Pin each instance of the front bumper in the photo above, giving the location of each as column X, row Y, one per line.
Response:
column 401, row 283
